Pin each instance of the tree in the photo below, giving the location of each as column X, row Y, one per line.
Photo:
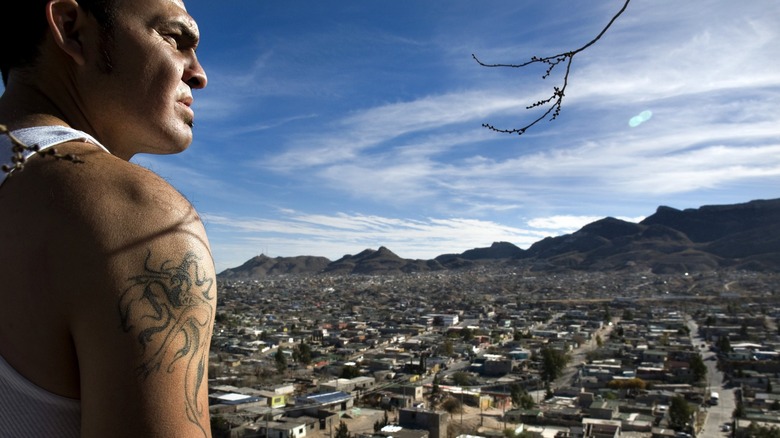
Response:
column 280, row 360
column 342, row 431
column 680, row 412
column 724, row 344
column 349, row 372
column 553, row 363
column 554, row 102
column 607, row 314
column 739, row 411
column 516, row 392
column 521, row 398
column 220, row 427
column 451, row 405
column 548, row 392
column 378, row 425
column 461, row 378
column 435, row 385
column 698, row 368
column 446, row 348
column 302, row 353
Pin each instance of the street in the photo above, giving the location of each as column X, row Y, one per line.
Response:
column 720, row 414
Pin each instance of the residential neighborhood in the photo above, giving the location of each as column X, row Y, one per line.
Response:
column 497, row 352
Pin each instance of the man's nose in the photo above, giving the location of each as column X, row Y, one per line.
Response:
column 195, row 75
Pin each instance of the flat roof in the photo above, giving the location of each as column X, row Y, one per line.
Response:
column 233, row 397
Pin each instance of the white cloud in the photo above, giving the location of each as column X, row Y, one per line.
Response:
column 565, row 224
column 295, row 233
column 372, row 127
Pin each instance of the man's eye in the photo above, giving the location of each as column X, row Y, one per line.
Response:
column 172, row 40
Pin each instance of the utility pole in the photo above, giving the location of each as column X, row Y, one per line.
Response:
column 461, row 406
column 503, row 411
column 481, row 418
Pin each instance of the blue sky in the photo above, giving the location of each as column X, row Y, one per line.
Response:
column 330, row 127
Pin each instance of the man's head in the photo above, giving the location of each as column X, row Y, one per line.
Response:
column 120, row 70
column 23, row 28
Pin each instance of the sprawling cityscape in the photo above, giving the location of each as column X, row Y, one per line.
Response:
column 497, row 352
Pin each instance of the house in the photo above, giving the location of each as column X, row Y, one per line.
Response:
column 434, row 422
column 597, row 428
column 332, row 401
column 276, row 429
column 354, row 385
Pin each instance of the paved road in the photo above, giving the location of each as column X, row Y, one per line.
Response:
column 718, row 415
column 578, row 354
column 577, row 359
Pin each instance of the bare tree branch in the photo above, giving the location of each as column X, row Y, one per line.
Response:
column 553, row 102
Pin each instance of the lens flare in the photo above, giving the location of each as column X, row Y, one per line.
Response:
column 640, row 118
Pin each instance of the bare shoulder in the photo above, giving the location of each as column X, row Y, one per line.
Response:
column 103, row 209
column 104, row 187
column 134, row 258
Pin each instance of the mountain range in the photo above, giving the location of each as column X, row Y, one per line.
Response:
column 738, row 236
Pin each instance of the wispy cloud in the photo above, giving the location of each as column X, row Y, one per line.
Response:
column 383, row 121
column 296, row 233
column 373, row 127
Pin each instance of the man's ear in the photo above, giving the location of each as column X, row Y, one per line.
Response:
column 65, row 24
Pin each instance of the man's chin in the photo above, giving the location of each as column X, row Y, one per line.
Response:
column 169, row 151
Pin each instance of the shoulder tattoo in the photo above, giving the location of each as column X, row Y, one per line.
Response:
column 169, row 308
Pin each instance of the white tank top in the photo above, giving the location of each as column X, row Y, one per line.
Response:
column 43, row 136
column 27, row 410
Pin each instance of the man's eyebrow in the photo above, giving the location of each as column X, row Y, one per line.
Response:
column 187, row 30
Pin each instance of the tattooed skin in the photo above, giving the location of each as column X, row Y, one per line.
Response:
column 169, row 307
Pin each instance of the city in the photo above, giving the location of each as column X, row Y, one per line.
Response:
column 497, row 352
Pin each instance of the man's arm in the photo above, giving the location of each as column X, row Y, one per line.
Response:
column 144, row 298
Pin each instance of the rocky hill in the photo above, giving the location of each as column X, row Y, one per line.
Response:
column 263, row 266
column 739, row 236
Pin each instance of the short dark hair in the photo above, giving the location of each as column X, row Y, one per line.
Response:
column 23, row 29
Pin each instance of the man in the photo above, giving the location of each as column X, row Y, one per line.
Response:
column 108, row 285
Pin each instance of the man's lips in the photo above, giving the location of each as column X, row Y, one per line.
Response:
column 186, row 102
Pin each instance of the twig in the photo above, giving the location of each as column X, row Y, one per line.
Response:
column 556, row 99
